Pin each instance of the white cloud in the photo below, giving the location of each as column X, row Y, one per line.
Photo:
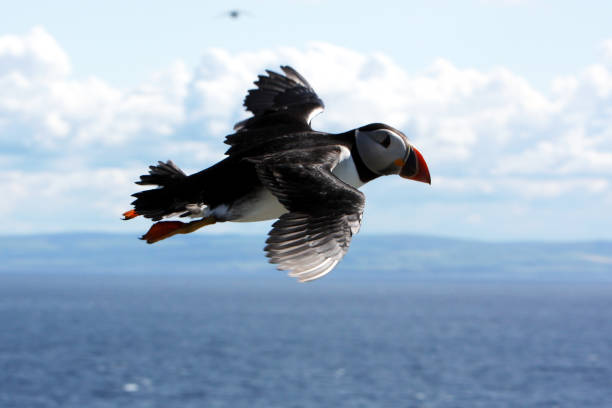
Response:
column 523, row 187
column 35, row 55
column 50, row 200
column 487, row 133
column 56, row 111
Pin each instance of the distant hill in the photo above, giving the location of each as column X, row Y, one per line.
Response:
column 384, row 257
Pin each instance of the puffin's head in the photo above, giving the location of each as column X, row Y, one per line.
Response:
column 385, row 150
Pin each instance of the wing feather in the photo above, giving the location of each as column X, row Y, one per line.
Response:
column 281, row 105
column 324, row 212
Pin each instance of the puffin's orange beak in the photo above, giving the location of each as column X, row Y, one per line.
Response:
column 415, row 167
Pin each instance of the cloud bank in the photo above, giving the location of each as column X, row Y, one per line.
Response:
column 70, row 147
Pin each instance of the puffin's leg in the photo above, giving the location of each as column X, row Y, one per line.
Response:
column 165, row 229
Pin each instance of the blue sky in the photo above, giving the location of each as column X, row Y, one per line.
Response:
column 509, row 101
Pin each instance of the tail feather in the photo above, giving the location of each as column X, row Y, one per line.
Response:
column 171, row 197
column 163, row 174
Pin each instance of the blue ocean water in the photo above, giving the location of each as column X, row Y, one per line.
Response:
column 187, row 341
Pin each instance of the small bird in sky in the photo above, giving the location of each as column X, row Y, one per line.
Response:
column 234, row 14
column 277, row 166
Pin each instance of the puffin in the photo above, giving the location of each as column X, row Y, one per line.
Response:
column 278, row 167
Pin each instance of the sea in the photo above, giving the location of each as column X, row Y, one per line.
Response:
column 112, row 340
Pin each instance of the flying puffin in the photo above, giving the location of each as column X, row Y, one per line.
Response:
column 277, row 166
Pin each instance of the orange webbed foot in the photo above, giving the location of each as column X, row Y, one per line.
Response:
column 162, row 230
column 165, row 229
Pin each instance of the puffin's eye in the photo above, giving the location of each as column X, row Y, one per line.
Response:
column 386, row 141
column 382, row 137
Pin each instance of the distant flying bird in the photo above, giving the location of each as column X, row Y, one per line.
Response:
column 235, row 14
column 279, row 167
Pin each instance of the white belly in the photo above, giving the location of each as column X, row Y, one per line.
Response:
column 263, row 206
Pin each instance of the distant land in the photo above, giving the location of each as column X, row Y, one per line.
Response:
column 371, row 258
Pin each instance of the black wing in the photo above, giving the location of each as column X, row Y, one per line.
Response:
column 324, row 212
column 289, row 94
column 282, row 107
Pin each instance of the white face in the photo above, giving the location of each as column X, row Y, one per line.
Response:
column 382, row 150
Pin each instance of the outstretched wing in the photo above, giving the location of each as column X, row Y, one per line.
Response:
column 289, row 95
column 324, row 212
column 282, row 107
